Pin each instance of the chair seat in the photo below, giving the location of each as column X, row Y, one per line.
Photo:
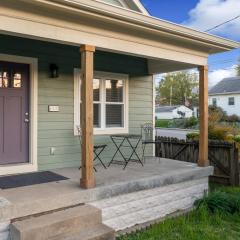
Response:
column 99, row 146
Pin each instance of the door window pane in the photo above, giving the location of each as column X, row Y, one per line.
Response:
column 114, row 115
column 97, row 115
column 17, row 80
column 114, row 90
column 4, row 79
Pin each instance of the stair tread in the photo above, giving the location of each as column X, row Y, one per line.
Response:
column 97, row 232
column 55, row 217
column 69, row 221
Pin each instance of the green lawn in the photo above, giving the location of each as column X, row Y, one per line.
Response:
column 197, row 225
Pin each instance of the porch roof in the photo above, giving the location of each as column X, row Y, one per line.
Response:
column 167, row 46
column 156, row 26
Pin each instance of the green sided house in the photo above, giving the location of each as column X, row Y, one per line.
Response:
column 88, row 63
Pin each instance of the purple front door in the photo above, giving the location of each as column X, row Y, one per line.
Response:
column 14, row 113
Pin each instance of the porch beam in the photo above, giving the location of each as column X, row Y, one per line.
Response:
column 87, row 69
column 203, row 111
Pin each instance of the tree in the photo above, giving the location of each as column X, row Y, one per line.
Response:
column 178, row 89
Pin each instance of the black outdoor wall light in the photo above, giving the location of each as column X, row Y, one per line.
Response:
column 54, row 70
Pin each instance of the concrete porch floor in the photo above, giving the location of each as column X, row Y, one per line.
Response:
column 114, row 181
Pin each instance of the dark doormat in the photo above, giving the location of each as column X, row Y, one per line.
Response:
column 29, row 179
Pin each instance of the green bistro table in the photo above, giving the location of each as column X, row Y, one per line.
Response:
column 123, row 142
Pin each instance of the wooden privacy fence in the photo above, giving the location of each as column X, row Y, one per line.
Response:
column 222, row 155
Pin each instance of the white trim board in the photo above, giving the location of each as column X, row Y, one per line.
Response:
column 32, row 165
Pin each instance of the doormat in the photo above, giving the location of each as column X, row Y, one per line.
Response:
column 29, row 179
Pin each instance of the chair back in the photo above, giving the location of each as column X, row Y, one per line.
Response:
column 79, row 131
column 147, row 131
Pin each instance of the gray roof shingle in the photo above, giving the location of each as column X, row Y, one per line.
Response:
column 227, row 85
column 166, row 109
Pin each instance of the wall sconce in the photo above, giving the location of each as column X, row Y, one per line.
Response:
column 54, row 70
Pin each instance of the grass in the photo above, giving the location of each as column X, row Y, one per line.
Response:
column 200, row 224
column 162, row 123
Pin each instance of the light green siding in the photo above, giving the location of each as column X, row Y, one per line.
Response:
column 56, row 129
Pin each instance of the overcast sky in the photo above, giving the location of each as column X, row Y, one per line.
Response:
column 203, row 15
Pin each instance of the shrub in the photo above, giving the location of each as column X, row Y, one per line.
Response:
column 232, row 118
column 191, row 122
column 237, row 138
column 229, row 137
column 192, row 136
column 218, row 132
column 215, row 115
column 219, row 201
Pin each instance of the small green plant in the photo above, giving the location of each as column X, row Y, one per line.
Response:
column 185, row 123
column 191, row 122
column 222, row 202
column 237, row 139
column 193, row 136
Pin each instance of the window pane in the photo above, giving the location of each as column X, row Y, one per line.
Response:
column 96, row 115
column 231, row 101
column 96, row 90
column 114, row 115
column 214, row 101
column 17, row 80
column 4, row 80
column 114, row 90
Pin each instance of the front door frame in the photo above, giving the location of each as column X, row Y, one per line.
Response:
column 32, row 165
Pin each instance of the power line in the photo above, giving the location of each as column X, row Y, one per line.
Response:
column 221, row 24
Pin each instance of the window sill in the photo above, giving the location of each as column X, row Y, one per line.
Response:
column 109, row 131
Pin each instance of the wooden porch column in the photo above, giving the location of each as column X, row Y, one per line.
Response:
column 87, row 57
column 203, row 111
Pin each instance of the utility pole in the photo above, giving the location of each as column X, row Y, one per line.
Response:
column 171, row 92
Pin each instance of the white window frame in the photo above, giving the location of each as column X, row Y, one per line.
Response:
column 77, row 96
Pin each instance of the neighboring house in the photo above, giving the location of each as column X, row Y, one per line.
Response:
column 171, row 112
column 226, row 94
column 57, row 56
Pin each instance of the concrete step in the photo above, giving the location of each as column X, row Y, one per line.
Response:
column 43, row 227
column 98, row 232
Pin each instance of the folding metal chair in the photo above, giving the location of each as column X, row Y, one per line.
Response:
column 97, row 149
column 148, row 137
